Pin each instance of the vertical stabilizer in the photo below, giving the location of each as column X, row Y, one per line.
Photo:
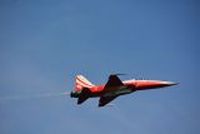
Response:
column 81, row 82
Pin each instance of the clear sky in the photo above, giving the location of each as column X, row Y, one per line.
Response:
column 45, row 43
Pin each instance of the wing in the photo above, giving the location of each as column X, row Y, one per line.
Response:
column 113, row 81
column 112, row 84
column 105, row 100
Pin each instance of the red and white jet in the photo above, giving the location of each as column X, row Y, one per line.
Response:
column 84, row 89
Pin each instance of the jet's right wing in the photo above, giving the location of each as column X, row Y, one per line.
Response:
column 113, row 81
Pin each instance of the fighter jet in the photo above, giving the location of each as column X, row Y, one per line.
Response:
column 114, row 88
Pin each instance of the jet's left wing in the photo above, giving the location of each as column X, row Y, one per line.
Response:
column 105, row 100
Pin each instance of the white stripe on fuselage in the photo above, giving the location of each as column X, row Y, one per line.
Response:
column 128, row 81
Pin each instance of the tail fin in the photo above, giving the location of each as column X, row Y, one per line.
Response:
column 81, row 82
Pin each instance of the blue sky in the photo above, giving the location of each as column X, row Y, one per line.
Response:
column 45, row 43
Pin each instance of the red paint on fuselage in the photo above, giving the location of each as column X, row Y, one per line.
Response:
column 134, row 85
column 84, row 89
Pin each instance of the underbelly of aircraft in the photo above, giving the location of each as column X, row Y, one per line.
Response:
column 118, row 92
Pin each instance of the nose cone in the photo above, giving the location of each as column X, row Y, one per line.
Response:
column 149, row 84
column 168, row 83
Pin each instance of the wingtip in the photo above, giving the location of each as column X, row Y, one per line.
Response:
column 118, row 74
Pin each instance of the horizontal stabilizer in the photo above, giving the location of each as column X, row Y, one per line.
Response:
column 84, row 95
